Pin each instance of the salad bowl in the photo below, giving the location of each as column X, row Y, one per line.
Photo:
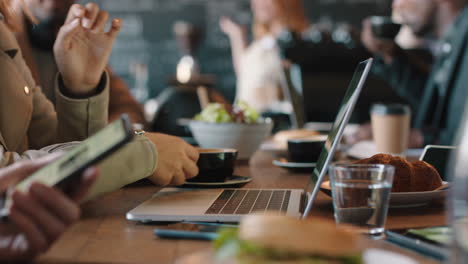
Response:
column 246, row 138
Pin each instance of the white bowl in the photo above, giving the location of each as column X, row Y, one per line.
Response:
column 246, row 138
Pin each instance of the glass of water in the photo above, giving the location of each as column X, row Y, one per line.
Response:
column 361, row 194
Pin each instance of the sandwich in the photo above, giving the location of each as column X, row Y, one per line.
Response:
column 273, row 238
column 282, row 137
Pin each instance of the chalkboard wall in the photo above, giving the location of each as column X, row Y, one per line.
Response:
column 147, row 37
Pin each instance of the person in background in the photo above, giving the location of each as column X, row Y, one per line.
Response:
column 407, row 48
column 258, row 65
column 39, row 216
column 30, row 124
column 438, row 93
column 37, row 41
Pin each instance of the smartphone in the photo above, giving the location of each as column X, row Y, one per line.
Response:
column 65, row 172
column 438, row 156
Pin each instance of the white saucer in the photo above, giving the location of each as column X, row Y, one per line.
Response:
column 294, row 166
column 230, row 181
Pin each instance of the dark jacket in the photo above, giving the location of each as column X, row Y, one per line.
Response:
column 438, row 105
column 445, row 94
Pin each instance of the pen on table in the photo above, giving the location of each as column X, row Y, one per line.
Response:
column 417, row 245
column 180, row 234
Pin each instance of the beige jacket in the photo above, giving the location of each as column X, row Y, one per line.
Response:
column 29, row 123
column 120, row 99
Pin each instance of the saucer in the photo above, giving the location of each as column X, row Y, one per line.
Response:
column 294, row 166
column 231, row 181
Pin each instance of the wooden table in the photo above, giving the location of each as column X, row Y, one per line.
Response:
column 105, row 236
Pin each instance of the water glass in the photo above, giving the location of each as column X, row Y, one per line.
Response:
column 361, row 194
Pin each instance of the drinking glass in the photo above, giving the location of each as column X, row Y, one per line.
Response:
column 361, row 194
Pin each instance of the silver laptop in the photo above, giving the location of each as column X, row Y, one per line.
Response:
column 229, row 205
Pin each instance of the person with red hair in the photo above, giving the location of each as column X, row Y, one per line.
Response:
column 258, row 65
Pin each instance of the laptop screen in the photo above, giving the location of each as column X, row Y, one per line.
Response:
column 336, row 132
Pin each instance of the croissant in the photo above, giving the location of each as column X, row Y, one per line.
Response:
column 418, row 176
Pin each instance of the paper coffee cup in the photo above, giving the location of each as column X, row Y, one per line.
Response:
column 391, row 127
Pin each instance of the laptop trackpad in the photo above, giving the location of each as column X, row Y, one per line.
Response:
column 175, row 201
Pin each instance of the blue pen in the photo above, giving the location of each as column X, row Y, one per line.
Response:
column 180, row 234
column 417, row 245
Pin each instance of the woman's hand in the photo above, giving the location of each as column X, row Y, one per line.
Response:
column 82, row 48
column 231, row 28
column 177, row 160
column 37, row 218
column 238, row 39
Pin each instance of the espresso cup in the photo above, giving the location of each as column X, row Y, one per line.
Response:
column 306, row 150
column 391, row 127
column 215, row 165
column 384, row 28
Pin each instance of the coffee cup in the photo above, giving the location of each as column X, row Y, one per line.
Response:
column 306, row 150
column 215, row 165
column 384, row 28
column 391, row 127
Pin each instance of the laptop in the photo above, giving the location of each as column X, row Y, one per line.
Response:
column 439, row 157
column 291, row 85
column 229, row 205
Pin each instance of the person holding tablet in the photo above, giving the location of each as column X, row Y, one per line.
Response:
column 30, row 122
column 39, row 216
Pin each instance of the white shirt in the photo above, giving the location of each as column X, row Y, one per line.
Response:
column 260, row 71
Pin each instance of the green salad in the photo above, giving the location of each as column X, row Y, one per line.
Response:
column 240, row 112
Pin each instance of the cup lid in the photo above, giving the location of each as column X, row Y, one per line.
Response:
column 390, row 109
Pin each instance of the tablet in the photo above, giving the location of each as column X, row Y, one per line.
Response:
column 65, row 172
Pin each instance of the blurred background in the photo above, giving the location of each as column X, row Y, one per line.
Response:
column 148, row 38
column 147, row 51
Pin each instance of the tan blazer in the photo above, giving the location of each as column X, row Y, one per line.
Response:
column 120, row 99
column 29, row 121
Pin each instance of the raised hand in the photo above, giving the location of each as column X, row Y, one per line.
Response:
column 231, row 28
column 83, row 47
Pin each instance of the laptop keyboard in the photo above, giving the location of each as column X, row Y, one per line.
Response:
column 247, row 201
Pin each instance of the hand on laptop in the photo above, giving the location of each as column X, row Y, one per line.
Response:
column 177, row 160
column 38, row 217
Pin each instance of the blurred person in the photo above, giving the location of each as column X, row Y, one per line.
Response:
column 39, row 216
column 30, row 125
column 437, row 93
column 37, row 41
column 258, row 65
column 407, row 48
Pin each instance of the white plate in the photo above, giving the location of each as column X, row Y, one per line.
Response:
column 403, row 199
column 370, row 256
column 415, row 199
column 230, row 181
column 298, row 167
column 270, row 145
column 374, row 255
column 284, row 163
column 367, row 149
